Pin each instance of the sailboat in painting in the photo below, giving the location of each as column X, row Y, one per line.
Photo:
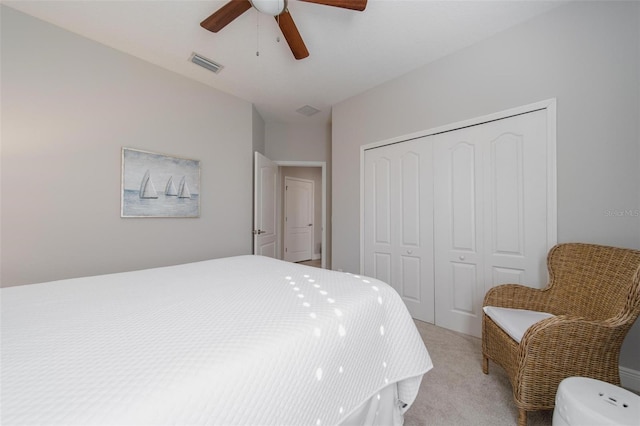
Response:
column 183, row 189
column 170, row 188
column 147, row 190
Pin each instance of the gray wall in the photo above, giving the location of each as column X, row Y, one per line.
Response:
column 585, row 54
column 258, row 131
column 68, row 106
column 297, row 142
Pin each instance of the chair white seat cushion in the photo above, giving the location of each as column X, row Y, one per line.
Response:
column 514, row 321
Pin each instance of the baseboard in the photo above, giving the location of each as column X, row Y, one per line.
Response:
column 630, row 378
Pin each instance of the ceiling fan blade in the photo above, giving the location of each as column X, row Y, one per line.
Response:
column 291, row 34
column 345, row 4
column 223, row 16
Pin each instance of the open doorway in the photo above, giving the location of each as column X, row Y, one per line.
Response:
column 301, row 207
column 302, row 214
column 269, row 209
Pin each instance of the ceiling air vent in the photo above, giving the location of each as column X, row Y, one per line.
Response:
column 205, row 63
column 307, row 110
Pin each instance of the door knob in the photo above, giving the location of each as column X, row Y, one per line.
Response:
column 461, row 257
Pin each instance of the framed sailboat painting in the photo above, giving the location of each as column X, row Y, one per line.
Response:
column 159, row 185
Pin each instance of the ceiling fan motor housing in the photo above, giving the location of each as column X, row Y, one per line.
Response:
column 270, row 7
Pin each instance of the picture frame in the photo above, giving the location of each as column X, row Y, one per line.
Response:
column 159, row 185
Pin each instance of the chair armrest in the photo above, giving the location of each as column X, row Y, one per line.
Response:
column 569, row 328
column 572, row 346
column 518, row 296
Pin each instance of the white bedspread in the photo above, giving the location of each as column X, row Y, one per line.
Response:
column 243, row 340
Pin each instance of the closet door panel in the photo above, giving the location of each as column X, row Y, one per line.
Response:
column 463, row 288
column 458, row 179
column 377, row 215
column 411, row 278
column 412, row 225
column 400, row 200
column 507, row 275
column 382, row 267
column 462, row 195
column 382, row 201
column 506, row 190
column 410, row 199
column 516, row 195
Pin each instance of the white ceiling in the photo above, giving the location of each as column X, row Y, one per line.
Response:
column 350, row 51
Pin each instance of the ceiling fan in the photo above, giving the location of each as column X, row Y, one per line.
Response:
column 277, row 8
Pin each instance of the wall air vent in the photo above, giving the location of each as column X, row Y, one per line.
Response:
column 308, row 110
column 205, row 63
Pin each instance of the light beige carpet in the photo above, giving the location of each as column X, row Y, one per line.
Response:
column 456, row 392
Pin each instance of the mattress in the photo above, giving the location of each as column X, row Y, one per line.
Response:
column 246, row 340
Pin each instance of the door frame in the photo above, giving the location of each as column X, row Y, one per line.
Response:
column 549, row 105
column 280, row 213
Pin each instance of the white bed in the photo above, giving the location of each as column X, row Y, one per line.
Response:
column 245, row 340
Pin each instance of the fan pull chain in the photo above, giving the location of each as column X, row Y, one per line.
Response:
column 257, row 34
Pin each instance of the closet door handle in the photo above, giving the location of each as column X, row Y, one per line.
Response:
column 461, row 257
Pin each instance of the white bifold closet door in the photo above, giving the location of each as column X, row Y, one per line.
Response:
column 448, row 216
column 490, row 216
column 398, row 218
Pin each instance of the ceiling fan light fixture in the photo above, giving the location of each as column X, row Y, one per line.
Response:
column 205, row 63
column 270, row 7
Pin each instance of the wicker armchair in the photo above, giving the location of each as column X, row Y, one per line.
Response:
column 594, row 293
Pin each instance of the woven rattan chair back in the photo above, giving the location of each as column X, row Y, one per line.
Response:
column 593, row 281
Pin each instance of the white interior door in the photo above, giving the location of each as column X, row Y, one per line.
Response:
column 490, row 192
column 298, row 219
column 264, row 217
column 398, row 222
